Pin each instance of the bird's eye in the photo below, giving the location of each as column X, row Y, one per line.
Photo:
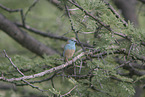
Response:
column 73, row 40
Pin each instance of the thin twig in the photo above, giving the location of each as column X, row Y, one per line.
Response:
column 130, row 50
column 8, row 9
column 33, row 86
column 15, row 10
column 69, row 91
column 13, row 63
column 34, row 3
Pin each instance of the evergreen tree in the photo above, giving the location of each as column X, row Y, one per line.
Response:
column 108, row 62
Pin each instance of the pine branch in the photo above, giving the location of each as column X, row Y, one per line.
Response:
column 103, row 24
column 21, row 73
column 44, row 72
column 115, row 13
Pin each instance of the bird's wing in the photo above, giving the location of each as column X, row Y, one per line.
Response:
column 65, row 48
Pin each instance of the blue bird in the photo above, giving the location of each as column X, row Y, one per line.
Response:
column 69, row 49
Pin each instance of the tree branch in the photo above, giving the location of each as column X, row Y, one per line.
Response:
column 34, row 3
column 69, row 91
column 101, row 23
column 8, row 9
column 44, row 34
column 23, row 38
column 115, row 13
column 38, row 81
column 13, row 63
column 15, row 10
column 44, row 72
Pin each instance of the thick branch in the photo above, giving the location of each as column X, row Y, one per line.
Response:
column 23, row 38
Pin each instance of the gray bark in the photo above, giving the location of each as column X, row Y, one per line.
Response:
column 23, row 38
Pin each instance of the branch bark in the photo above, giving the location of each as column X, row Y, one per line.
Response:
column 23, row 38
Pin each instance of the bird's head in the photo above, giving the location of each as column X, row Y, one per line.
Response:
column 72, row 41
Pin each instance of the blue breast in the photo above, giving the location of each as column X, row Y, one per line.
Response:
column 70, row 47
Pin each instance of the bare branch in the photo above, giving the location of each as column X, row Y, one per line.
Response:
column 34, row 3
column 8, row 9
column 13, row 64
column 15, row 10
column 33, row 86
column 50, row 35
